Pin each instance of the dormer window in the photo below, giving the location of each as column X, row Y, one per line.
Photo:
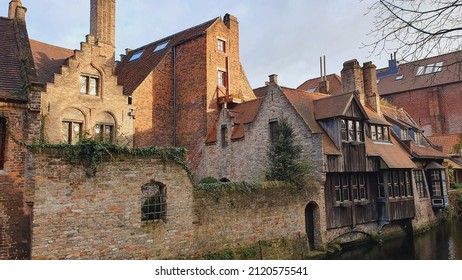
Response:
column 89, row 85
column 351, row 130
column 380, row 133
column 418, row 138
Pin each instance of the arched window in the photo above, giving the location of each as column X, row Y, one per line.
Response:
column 153, row 202
column 105, row 128
column 73, row 122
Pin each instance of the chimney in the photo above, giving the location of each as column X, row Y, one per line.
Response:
column 102, row 21
column 370, row 86
column 352, row 78
column 233, row 26
column 324, row 83
column 273, row 79
column 12, row 8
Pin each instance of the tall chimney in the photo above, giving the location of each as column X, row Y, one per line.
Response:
column 323, row 86
column 12, row 8
column 352, row 78
column 370, row 86
column 273, row 79
column 102, row 21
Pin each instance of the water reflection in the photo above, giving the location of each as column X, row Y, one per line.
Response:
column 441, row 243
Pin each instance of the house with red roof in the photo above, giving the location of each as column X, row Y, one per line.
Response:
column 179, row 83
column 19, row 122
column 428, row 89
column 367, row 177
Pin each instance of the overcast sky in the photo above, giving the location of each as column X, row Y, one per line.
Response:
column 285, row 37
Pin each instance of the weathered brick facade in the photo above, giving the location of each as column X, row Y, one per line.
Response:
column 76, row 217
column 19, row 114
column 68, row 98
column 181, row 85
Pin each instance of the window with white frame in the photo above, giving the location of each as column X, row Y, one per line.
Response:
column 221, row 45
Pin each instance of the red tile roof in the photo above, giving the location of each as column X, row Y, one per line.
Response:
column 425, row 151
column 11, row 81
column 399, row 115
column 450, row 74
column 393, row 155
column 447, row 142
column 48, row 59
column 335, row 84
column 303, row 102
column 132, row 74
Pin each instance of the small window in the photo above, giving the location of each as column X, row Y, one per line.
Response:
column 273, row 130
column 313, row 89
column 399, row 77
column 89, row 85
column 381, row 185
column 221, row 78
column 71, row 132
column 136, row 55
column 161, row 46
column 351, row 130
column 221, row 45
column 420, row 183
column 2, row 142
column 153, row 202
column 430, row 68
column 104, row 133
column 224, row 136
column 420, row 71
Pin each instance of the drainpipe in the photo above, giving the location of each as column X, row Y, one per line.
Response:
column 174, row 96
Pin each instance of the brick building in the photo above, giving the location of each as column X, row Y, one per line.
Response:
column 371, row 177
column 177, row 84
column 81, row 95
column 19, row 122
column 428, row 89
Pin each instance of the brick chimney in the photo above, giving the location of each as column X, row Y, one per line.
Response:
column 12, row 8
column 370, row 86
column 352, row 79
column 102, row 21
column 233, row 25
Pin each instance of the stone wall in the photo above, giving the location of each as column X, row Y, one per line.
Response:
column 76, row 217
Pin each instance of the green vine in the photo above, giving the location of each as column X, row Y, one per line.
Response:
column 91, row 153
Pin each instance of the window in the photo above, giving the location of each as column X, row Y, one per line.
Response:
column 430, row 68
column 403, row 134
column 224, row 136
column 273, row 130
column 380, row 133
column 89, row 85
column 71, row 132
column 398, row 183
column 381, row 186
column 436, row 182
column 221, row 78
column 349, row 187
column 418, row 138
column 160, row 47
column 104, row 133
column 399, row 77
column 420, row 183
column 153, row 202
column 221, row 45
column 2, row 142
column 351, row 130
column 136, row 55
column 363, row 195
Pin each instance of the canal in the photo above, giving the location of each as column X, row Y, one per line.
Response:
column 440, row 243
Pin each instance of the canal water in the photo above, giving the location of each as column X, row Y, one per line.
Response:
column 440, row 243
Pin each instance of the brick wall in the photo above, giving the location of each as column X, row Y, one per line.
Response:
column 15, row 193
column 76, row 217
column 436, row 110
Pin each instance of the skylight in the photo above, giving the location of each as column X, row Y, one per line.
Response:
column 430, row 68
column 136, row 55
column 161, row 46
column 399, row 77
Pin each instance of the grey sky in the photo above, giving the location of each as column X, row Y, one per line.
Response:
column 285, row 37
